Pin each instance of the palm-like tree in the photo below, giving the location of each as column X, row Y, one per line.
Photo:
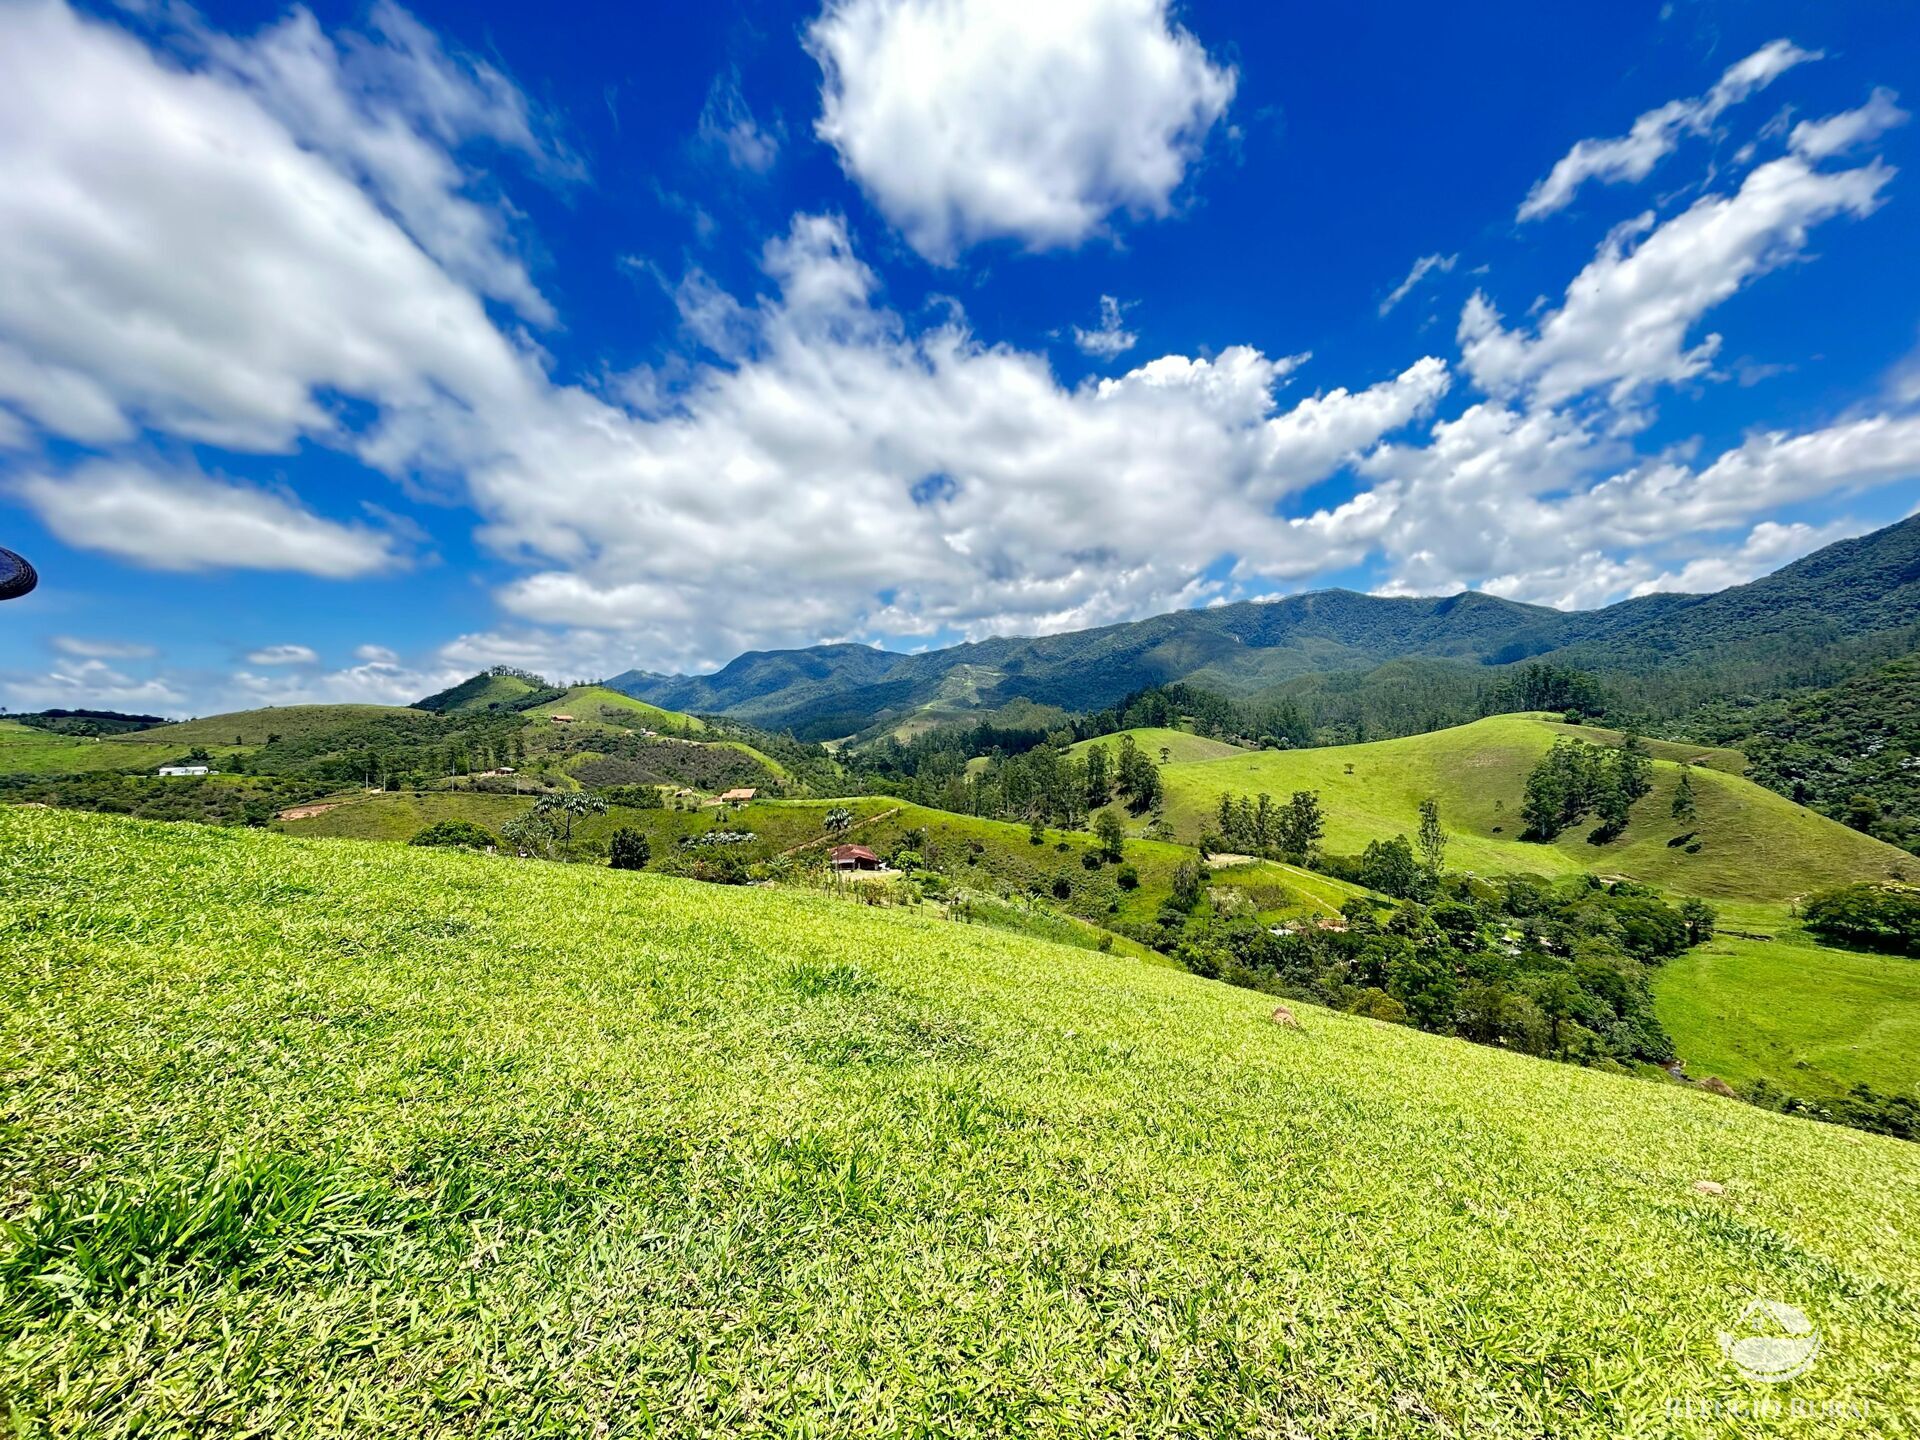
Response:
column 568, row 804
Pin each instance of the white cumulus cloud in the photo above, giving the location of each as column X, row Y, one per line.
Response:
column 317, row 288
column 967, row 120
column 177, row 520
column 283, row 655
column 93, row 685
column 88, row 649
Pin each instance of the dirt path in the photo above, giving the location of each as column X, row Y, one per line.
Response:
column 841, row 838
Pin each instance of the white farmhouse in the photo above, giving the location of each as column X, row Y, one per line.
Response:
column 186, row 770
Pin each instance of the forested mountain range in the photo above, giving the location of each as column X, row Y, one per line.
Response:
column 1818, row 620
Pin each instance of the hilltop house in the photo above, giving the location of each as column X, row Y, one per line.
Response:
column 186, row 770
column 561, row 719
column 739, row 796
column 854, row 857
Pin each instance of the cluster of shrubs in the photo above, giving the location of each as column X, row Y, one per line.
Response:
column 1560, row 970
column 708, row 839
column 1575, row 779
column 210, row 800
column 458, row 834
column 1875, row 917
column 1864, row 1108
column 642, row 760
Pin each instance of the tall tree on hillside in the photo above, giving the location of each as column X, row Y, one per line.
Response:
column 1389, row 867
column 1112, row 838
column 1560, row 789
column 530, row 833
column 1433, row 839
column 1700, row 919
column 1684, row 808
column 1301, row 824
column 1099, row 777
column 1611, row 800
column 1633, row 767
column 837, row 821
column 1189, row 882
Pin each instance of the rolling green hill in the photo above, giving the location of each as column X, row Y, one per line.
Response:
column 252, row 727
column 307, row 1138
column 1178, row 746
column 29, row 751
column 26, row 750
column 500, row 688
column 596, row 704
column 1754, row 845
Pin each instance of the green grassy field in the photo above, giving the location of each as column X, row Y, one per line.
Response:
column 586, row 702
column 1754, row 845
column 1180, row 746
column 1808, row 1018
column 252, row 727
column 331, row 1138
column 25, row 750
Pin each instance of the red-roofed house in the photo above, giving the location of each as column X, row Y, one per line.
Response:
column 854, row 857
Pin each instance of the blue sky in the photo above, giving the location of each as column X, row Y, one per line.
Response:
column 344, row 351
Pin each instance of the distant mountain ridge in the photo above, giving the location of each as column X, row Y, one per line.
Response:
column 1820, row 611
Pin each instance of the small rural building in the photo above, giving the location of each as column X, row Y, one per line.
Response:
column 854, row 857
column 562, row 719
column 186, row 770
column 739, row 796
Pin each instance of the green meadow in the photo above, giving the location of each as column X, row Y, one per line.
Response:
column 310, row 1138
column 1478, row 773
column 26, row 750
column 1808, row 1018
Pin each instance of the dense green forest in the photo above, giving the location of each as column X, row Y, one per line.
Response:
column 1851, row 751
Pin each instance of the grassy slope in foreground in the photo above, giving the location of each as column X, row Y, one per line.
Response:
column 567, row 1150
column 1811, row 1019
column 1755, row 845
